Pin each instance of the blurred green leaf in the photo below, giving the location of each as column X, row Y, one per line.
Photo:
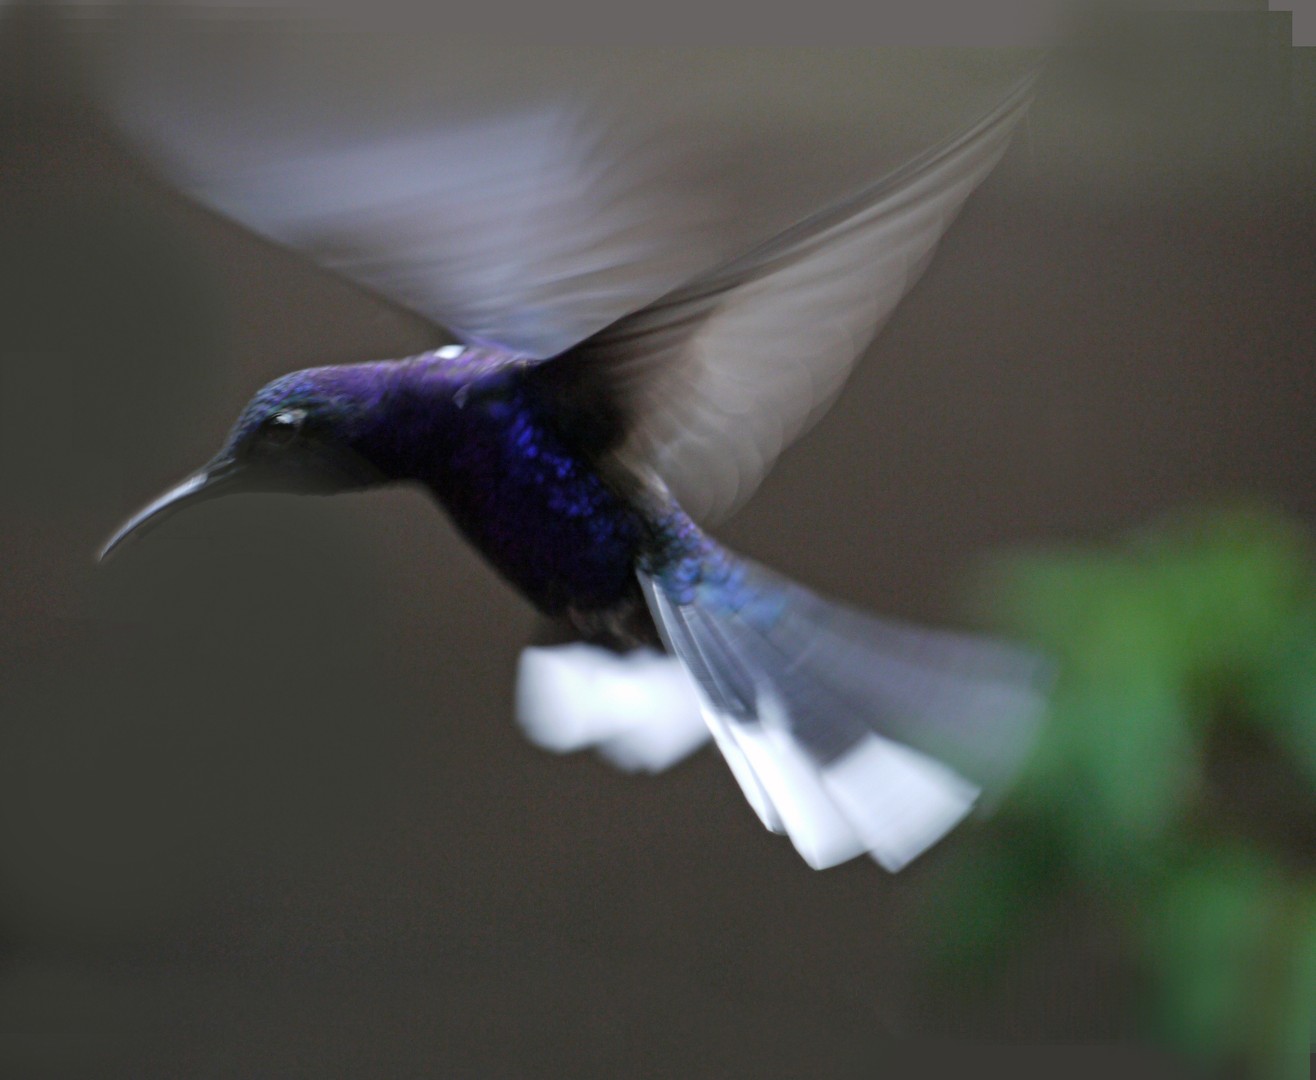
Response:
column 989, row 900
column 1203, row 930
column 1165, row 646
column 1230, row 581
column 1282, row 698
column 1284, row 1038
column 1117, row 758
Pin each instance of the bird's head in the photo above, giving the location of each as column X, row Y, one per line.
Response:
column 300, row 434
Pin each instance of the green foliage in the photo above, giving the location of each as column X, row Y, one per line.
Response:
column 1185, row 639
column 1232, row 942
column 1285, row 692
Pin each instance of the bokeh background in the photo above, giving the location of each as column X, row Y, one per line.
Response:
column 263, row 810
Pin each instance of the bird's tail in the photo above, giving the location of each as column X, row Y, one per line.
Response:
column 849, row 733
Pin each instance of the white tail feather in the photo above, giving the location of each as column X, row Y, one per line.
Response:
column 639, row 710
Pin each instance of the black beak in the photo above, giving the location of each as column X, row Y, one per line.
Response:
column 210, row 482
column 316, row 470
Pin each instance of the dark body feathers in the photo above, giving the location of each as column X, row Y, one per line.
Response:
column 520, row 480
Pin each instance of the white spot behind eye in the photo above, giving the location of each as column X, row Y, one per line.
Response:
column 450, row 352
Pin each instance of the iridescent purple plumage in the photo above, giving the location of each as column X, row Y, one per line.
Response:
column 468, row 425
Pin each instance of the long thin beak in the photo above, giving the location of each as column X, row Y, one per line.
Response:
column 204, row 484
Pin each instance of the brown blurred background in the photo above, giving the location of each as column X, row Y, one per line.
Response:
column 263, row 810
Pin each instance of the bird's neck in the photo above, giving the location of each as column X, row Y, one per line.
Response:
column 419, row 419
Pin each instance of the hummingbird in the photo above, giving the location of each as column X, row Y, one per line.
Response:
column 586, row 477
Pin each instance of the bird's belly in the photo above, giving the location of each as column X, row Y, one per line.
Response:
column 564, row 549
column 546, row 520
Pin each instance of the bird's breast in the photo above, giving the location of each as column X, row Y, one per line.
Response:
column 538, row 509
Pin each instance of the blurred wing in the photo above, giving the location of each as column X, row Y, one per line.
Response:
column 719, row 376
column 526, row 196
column 517, row 230
column 498, row 193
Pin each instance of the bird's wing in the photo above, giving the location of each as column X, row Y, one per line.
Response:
column 526, row 197
column 717, row 377
column 501, row 193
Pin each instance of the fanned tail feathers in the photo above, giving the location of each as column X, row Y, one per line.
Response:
column 850, row 734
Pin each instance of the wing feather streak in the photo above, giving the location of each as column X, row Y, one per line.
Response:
column 720, row 375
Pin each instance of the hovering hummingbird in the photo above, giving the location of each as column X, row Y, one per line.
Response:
column 580, row 475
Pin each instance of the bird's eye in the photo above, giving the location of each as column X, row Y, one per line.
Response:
column 282, row 428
